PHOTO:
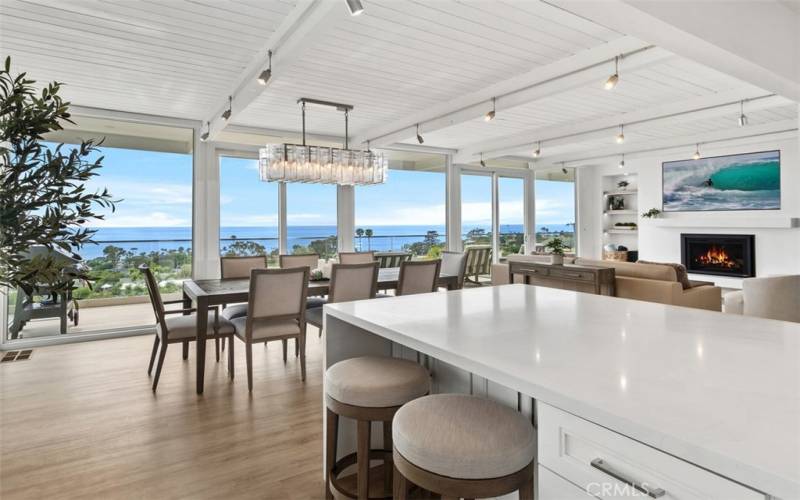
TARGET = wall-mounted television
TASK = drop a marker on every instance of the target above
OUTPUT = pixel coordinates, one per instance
(747, 181)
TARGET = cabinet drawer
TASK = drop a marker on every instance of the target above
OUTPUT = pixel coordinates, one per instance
(554, 487)
(566, 274)
(532, 271)
(606, 463)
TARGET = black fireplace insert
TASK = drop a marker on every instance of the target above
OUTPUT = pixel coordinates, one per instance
(719, 254)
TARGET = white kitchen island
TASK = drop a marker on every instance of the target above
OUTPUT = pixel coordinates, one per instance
(683, 402)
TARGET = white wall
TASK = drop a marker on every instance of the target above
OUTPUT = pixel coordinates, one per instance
(777, 250)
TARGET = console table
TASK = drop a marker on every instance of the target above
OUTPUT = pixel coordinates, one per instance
(597, 280)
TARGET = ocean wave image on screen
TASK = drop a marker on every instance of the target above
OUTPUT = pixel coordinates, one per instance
(748, 181)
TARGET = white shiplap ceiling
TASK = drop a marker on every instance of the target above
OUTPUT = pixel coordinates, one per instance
(181, 58)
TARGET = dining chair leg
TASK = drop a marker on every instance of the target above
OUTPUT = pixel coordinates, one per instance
(362, 458)
(230, 359)
(400, 486)
(161, 356)
(285, 346)
(296, 347)
(153, 355)
(300, 341)
(330, 449)
(248, 349)
(216, 347)
(186, 350)
(388, 463)
(223, 344)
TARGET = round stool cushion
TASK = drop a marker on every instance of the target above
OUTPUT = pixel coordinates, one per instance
(463, 437)
(376, 382)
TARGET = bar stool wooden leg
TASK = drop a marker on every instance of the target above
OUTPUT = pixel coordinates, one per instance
(362, 458)
(332, 437)
(388, 467)
(526, 491)
(284, 342)
(399, 486)
(186, 350)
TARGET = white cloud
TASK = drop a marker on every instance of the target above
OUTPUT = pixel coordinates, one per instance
(147, 219)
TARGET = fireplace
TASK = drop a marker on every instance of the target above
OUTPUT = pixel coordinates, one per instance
(719, 254)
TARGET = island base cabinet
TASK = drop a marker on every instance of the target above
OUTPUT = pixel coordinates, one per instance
(606, 464)
(554, 487)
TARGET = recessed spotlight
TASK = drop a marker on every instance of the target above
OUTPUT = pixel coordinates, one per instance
(538, 151)
(620, 138)
(355, 7)
(491, 114)
(419, 137)
(264, 76)
(226, 115)
(613, 80)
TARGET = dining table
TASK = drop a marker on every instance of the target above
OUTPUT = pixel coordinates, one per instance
(207, 293)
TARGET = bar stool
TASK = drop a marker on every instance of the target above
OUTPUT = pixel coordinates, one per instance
(462, 446)
(367, 389)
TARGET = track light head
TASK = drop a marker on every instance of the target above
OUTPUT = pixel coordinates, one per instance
(620, 138)
(742, 117)
(564, 170)
(204, 135)
(355, 7)
(622, 162)
(696, 155)
(538, 151)
(483, 163)
(264, 76)
(419, 137)
(491, 114)
(613, 80)
(226, 115)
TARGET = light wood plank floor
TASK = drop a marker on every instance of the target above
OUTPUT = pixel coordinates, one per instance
(80, 421)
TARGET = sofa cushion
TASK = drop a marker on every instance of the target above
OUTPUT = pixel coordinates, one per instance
(634, 270)
(680, 272)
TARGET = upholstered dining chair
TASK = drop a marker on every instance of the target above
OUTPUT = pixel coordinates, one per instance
(418, 276)
(348, 282)
(455, 264)
(288, 261)
(180, 329)
(276, 310)
(239, 267)
(356, 257)
(391, 259)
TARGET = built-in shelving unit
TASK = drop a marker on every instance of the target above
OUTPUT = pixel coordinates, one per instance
(620, 205)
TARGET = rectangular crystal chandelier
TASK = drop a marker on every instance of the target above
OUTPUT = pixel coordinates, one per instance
(319, 164)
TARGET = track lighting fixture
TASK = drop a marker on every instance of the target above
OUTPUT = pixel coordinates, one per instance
(538, 151)
(483, 163)
(742, 116)
(226, 115)
(696, 155)
(622, 161)
(265, 75)
(355, 7)
(621, 136)
(613, 79)
(563, 169)
(490, 115)
(419, 137)
(204, 135)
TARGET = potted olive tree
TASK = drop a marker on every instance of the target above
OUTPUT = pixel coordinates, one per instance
(44, 201)
(556, 247)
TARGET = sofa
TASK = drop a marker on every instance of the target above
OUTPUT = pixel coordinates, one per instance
(648, 282)
(774, 297)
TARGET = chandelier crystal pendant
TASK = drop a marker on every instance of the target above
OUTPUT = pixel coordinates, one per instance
(321, 164)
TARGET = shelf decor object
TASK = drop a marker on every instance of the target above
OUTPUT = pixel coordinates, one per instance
(322, 165)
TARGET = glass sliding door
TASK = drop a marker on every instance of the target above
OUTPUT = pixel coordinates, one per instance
(476, 209)
(248, 210)
(555, 207)
(511, 195)
(148, 168)
(311, 219)
(407, 213)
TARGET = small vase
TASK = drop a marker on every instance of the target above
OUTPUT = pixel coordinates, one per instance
(556, 260)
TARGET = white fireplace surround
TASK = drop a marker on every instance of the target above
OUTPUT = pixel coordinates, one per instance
(777, 231)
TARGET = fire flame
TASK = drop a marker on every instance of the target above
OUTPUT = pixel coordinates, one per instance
(718, 257)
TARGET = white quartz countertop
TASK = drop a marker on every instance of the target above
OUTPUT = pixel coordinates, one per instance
(721, 391)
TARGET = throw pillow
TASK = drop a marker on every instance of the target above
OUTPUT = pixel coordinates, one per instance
(680, 272)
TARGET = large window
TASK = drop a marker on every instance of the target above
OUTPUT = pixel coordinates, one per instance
(311, 219)
(476, 209)
(511, 193)
(555, 206)
(248, 210)
(407, 213)
(148, 169)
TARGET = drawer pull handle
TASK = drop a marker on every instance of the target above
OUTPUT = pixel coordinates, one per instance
(599, 464)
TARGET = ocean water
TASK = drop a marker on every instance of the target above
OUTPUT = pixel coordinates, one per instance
(741, 182)
(385, 238)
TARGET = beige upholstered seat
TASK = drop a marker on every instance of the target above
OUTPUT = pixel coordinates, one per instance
(267, 329)
(348, 282)
(773, 297)
(234, 311)
(455, 264)
(356, 257)
(419, 276)
(376, 382)
(463, 437)
(185, 327)
(240, 267)
(310, 260)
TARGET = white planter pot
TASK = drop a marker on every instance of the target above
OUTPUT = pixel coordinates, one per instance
(556, 260)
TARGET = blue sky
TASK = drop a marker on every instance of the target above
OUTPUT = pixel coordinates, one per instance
(156, 189)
